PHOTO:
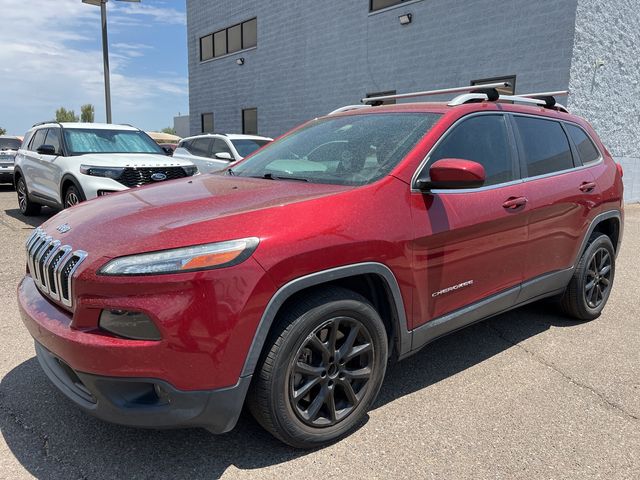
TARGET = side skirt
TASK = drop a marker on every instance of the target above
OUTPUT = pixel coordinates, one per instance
(541, 287)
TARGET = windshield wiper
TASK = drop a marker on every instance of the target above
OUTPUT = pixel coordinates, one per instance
(271, 176)
(230, 172)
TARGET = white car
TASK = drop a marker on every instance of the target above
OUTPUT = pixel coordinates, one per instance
(61, 164)
(215, 151)
(8, 149)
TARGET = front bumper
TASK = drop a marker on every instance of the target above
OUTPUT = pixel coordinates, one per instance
(6, 173)
(143, 402)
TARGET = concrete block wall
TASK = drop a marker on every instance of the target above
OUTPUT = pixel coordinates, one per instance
(315, 56)
(605, 80)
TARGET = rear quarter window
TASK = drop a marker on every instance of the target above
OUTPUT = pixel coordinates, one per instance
(545, 146)
(586, 149)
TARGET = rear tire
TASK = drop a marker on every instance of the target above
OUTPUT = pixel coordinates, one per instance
(321, 369)
(27, 207)
(589, 288)
(72, 196)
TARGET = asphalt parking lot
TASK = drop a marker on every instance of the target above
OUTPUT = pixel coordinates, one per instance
(528, 394)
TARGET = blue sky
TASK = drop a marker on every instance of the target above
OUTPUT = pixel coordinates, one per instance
(51, 56)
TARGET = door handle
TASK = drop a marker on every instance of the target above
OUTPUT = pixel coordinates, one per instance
(587, 186)
(514, 203)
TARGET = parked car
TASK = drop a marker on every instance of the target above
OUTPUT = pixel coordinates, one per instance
(213, 152)
(62, 164)
(289, 282)
(8, 148)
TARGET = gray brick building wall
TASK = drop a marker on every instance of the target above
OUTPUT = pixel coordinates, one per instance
(313, 56)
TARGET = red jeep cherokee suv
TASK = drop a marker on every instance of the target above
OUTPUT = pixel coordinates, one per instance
(289, 281)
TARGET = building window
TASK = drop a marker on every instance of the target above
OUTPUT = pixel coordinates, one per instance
(510, 90)
(383, 94)
(229, 40)
(375, 5)
(250, 121)
(206, 48)
(207, 122)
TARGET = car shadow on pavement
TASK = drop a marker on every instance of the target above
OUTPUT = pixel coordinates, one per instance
(53, 439)
(32, 221)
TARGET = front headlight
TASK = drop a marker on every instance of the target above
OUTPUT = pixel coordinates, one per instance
(187, 259)
(108, 172)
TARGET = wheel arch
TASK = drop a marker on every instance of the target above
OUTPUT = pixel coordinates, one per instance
(608, 223)
(67, 180)
(374, 281)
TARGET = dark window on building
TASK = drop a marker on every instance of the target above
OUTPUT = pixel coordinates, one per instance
(586, 149)
(510, 90)
(207, 122)
(220, 43)
(545, 145)
(384, 94)
(200, 147)
(38, 139)
(250, 121)
(375, 5)
(53, 138)
(482, 139)
(250, 33)
(234, 38)
(206, 48)
(229, 40)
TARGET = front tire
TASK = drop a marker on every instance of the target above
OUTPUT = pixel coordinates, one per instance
(73, 196)
(589, 288)
(27, 207)
(321, 369)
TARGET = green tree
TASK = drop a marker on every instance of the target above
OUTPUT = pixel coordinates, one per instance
(2, 131)
(169, 130)
(87, 113)
(64, 115)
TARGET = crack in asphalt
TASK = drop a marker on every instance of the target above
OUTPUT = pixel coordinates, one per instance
(568, 378)
(45, 449)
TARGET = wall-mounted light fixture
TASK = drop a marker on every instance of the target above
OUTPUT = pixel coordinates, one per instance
(240, 61)
(405, 19)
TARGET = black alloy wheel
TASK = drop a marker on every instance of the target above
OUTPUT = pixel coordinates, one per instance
(598, 278)
(331, 372)
(72, 196)
(26, 206)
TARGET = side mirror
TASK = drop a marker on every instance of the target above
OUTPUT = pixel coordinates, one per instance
(452, 173)
(46, 150)
(167, 151)
(224, 156)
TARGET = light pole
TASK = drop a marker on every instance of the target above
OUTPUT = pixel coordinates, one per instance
(105, 49)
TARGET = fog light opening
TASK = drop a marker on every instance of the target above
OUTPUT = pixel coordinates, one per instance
(128, 324)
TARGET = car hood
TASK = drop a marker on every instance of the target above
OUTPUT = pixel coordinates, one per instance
(137, 160)
(190, 211)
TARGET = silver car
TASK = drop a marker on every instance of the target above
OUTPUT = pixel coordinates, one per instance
(215, 151)
(8, 149)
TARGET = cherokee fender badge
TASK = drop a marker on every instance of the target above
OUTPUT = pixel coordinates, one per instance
(64, 228)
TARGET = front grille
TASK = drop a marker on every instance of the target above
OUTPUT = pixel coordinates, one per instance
(136, 177)
(52, 266)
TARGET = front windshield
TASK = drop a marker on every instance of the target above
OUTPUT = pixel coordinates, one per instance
(246, 147)
(346, 150)
(80, 141)
(10, 144)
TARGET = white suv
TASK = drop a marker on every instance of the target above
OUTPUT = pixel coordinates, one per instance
(214, 151)
(61, 164)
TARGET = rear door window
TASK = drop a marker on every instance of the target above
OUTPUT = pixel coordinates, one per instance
(586, 149)
(200, 147)
(545, 146)
(483, 139)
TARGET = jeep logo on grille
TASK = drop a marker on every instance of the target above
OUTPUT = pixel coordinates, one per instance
(64, 228)
(158, 177)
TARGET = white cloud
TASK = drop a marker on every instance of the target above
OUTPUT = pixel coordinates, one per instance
(51, 56)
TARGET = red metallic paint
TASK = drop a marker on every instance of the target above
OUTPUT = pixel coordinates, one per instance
(208, 319)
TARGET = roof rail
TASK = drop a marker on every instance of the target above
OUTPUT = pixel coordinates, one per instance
(347, 108)
(543, 99)
(44, 123)
(443, 91)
